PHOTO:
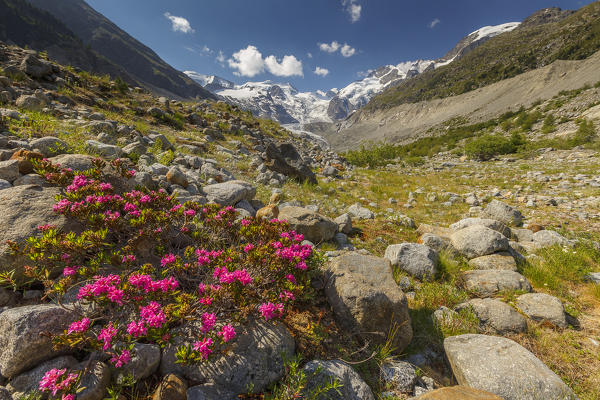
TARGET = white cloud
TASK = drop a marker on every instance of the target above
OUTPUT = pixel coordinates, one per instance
(221, 58)
(364, 74)
(329, 48)
(347, 51)
(207, 50)
(249, 62)
(353, 9)
(433, 23)
(321, 71)
(289, 66)
(309, 55)
(179, 24)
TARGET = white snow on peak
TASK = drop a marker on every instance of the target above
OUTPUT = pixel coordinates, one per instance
(495, 30)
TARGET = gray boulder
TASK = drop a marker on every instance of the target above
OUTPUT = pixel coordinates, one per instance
(314, 226)
(488, 223)
(77, 162)
(503, 212)
(144, 361)
(97, 127)
(256, 356)
(209, 391)
(21, 340)
(366, 299)
(496, 315)
(344, 222)
(105, 150)
(229, 193)
(400, 376)
(50, 146)
(322, 372)
(503, 367)
(457, 393)
(503, 260)
(285, 159)
(477, 240)
(593, 277)
(35, 67)
(487, 282)
(22, 210)
(31, 103)
(543, 308)
(416, 259)
(9, 170)
(95, 379)
(547, 238)
(177, 177)
(360, 212)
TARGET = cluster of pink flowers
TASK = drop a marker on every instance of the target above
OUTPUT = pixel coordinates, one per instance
(153, 315)
(121, 359)
(204, 257)
(148, 285)
(224, 276)
(79, 326)
(79, 181)
(105, 285)
(167, 259)
(128, 258)
(270, 310)
(227, 332)
(57, 380)
(107, 334)
(203, 347)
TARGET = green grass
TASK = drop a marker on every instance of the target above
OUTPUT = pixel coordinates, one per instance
(558, 267)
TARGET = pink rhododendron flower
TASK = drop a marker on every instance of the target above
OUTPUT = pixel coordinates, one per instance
(122, 359)
(203, 347)
(68, 271)
(153, 315)
(208, 322)
(167, 259)
(137, 329)
(227, 332)
(107, 334)
(270, 310)
(79, 326)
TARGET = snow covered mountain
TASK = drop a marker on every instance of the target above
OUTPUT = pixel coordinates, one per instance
(285, 104)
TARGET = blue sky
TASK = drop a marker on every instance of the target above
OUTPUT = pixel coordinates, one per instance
(313, 44)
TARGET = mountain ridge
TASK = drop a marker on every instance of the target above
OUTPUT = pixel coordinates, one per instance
(102, 47)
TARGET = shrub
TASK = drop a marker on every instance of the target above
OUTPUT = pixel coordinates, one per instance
(121, 85)
(128, 264)
(489, 146)
(585, 133)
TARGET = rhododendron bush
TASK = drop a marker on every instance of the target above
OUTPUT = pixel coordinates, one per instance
(142, 264)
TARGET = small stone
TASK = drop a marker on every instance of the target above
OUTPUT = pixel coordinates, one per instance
(416, 259)
(171, 387)
(503, 260)
(352, 385)
(176, 177)
(487, 282)
(477, 240)
(495, 315)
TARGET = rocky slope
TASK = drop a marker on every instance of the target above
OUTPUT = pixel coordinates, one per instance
(446, 262)
(410, 121)
(86, 39)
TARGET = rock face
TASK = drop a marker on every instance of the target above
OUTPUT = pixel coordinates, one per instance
(229, 193)
(503, 367)
(255, 357)
(95, 381)
(365, 298)
(416, 259)
(22, 210)
(496, 315)
(352, 385)
(315, 227)
(504, 213)
(457, 393)
(285, 159)
(544, 308)
(22, 345)
(487, 282)
(400, 375)
(477, 240)
(171, 388)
